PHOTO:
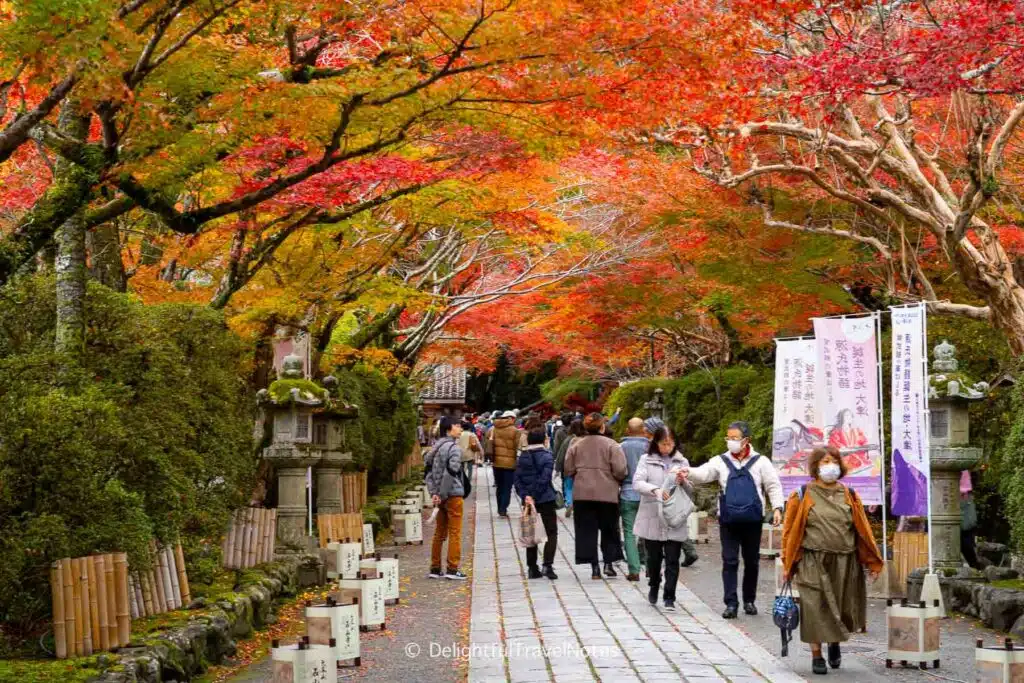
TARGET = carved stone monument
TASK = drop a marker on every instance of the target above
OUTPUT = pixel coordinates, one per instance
(949, 396)
(305, 430)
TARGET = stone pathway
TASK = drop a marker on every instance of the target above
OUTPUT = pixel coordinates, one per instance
(577, 629)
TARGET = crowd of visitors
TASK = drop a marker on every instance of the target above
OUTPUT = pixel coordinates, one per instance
(625, 497)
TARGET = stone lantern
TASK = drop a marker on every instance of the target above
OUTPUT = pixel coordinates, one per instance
(949, 395)
(306, 430)
(656, 406)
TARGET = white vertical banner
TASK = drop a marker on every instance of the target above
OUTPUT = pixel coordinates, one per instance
(910, 466)
(796, 429)
(849, 398)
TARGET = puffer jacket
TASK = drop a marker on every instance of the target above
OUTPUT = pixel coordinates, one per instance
(508, 441)
(649, 478)
(533, 474)
(443, 463)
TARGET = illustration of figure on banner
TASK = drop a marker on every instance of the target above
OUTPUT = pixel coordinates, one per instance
(793, 444)
(852, 443)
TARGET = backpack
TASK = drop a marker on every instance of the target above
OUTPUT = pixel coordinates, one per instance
(740, 502)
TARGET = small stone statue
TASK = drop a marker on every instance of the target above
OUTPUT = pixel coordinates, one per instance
(292, 367)
(945, 360)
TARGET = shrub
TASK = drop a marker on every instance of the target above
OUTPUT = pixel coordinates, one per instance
(149, 435)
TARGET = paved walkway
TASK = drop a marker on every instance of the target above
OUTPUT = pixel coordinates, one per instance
(577, 629)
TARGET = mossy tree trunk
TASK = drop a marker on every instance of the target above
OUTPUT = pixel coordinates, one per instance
(69, 263)
(106, 266)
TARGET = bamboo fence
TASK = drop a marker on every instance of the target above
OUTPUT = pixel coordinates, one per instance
(910, 551)
(404, 470)
(163, 587)
(251, 538)
(338, 527)
(90, 604)
(353, 491)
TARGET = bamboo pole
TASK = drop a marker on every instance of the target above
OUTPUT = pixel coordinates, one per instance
(261, 535)
(111, 582)
(101, 601)
(186, 593)
(94, 603)
(165, 578)
(273, 533)
(362, 490)
(239, 539)
(57, 596)
(137, 585)
(147, 594)
(133, 606)
(257, 543)
(228, 557)
(156, 579)
(173, 570)
(243, 529)
(70, 610)
(344, 492)
(251, 556)
(124, 622)
(83, 597)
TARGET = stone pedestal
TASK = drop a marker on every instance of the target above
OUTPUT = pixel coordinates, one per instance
(328, 483)
(947, 462)
(292, 511)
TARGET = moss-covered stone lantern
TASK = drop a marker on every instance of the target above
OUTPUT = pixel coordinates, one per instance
(303, 422)
(950, 393)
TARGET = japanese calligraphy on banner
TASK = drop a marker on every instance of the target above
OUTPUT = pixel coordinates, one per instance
(910, 466)
(797, 423)
(848, 396)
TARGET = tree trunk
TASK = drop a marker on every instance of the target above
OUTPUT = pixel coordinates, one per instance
(104, 246)
(69, 263)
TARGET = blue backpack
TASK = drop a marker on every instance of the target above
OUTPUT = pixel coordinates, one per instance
(740, 501)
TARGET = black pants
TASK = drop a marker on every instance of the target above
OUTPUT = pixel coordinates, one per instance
(740, 539)
(504, 479)
(550, 520)
(669, 550)
(968, 548)
(590, 517)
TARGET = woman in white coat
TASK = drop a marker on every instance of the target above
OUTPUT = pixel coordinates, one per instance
(654, 474)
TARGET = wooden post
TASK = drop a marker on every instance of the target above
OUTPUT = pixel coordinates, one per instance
(362, 490)
(70, 612)
(101, 601)
(228, 558)
(173, 570)
(186, 594)
(111, 582)
(147, 594)
(273, 533)
(83, 597)
(124, 622)
(57, 595)
(251, 556)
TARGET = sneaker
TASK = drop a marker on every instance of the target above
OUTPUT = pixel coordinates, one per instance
(689, 561)
(670, 606)
(652, 596)
(534, 573)
(730, 612)
(609, 570)
(549, 572)
(435, 573)
(456, 575)
(632, 577)
(750, 609)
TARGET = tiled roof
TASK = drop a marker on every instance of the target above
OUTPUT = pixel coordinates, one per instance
(446, 384)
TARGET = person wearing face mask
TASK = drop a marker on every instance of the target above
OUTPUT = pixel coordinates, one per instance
(827, 543)
(660, 467)
(745, 478)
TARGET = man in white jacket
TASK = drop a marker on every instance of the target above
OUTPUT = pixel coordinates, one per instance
(741, 512)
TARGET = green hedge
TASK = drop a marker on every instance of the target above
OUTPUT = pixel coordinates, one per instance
(700, 405)
(385, 431)
(150, 436)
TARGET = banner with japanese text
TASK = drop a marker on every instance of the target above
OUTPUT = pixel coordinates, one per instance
(910, 466)
(796, 427)
(848, 396)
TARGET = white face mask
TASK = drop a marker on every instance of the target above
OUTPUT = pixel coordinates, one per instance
(734, 445)
(829, 473)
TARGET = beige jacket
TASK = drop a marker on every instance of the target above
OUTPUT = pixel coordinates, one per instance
(597, 466)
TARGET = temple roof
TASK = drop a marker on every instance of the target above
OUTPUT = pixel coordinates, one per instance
(445, 384)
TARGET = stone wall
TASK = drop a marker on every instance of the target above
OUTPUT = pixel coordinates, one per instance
(184, 652)
(1001, 609)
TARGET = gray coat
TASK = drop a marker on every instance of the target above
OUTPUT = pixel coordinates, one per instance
(649, 477)
(444, 469)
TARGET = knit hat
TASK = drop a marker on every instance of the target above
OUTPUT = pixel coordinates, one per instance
(652, 424)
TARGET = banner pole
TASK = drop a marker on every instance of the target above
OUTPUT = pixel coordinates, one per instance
(927, 435)
(881, 441)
